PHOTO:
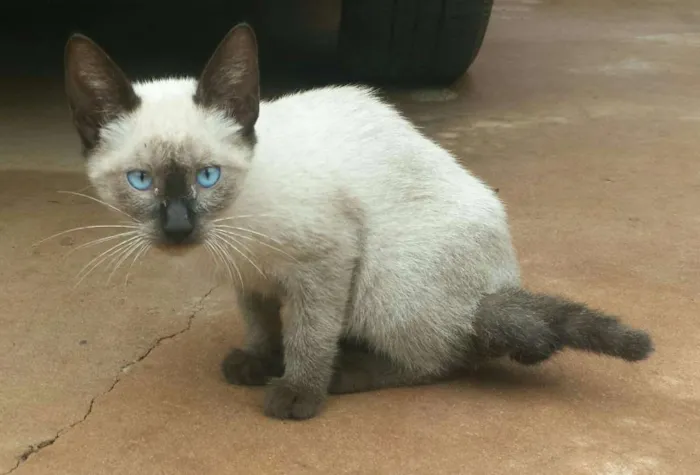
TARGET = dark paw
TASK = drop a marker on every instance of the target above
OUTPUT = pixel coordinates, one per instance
(539, 347)
(528, 358)
(283, 401)
(243, 368)
(533, 356)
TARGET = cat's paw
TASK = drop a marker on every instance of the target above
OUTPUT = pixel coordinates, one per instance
(534, 355)
(284, 401)
(247, 369)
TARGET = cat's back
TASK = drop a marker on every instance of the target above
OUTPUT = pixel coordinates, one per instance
(340, 154)
(347, 137)
(314, 120)
(349, 134)
(331, 107)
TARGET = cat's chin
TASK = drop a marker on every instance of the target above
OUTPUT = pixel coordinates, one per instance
(176, 250)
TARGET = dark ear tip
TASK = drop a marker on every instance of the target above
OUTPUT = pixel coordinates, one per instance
(244, 29)
(243, 26)
(76, 40)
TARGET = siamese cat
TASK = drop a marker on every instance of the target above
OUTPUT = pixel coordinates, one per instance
(364, 255)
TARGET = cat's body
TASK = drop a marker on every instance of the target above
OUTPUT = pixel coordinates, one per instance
(417, 239)
(365, 255)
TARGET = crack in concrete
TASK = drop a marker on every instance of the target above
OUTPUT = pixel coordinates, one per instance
(36, 448)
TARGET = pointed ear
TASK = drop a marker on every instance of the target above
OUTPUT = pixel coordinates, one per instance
(98, 91)
(230, 81)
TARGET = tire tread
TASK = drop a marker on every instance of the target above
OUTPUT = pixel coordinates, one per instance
(411, 41)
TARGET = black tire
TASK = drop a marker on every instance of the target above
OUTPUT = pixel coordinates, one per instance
(411, 41)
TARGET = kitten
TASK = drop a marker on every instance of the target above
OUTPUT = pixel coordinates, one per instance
(367, 256)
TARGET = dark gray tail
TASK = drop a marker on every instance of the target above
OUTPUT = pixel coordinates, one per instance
(532, 327)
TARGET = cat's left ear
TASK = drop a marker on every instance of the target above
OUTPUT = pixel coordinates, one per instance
(230, 80)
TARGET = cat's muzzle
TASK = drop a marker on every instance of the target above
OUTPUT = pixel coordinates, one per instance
(178, 222)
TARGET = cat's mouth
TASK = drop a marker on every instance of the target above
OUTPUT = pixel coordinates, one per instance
(176, 249)
(177, 244)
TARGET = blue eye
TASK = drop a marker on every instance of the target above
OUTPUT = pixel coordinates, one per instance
(208, 176)
(139, 179)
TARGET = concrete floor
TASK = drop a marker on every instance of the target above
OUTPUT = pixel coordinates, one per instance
(585, 116)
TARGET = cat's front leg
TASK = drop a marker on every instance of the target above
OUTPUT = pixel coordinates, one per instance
(261, 357)
(312, 322)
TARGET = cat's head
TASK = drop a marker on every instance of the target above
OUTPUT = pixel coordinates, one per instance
(170, 153)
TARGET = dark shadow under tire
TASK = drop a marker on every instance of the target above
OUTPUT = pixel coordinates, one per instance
(411, 41)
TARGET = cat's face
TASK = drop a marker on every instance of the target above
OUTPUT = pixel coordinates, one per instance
(171, 154)
(175, 188)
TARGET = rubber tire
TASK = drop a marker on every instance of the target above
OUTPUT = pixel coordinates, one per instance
(411, 41)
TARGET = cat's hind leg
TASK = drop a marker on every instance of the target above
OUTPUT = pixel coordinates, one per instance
(359, 369)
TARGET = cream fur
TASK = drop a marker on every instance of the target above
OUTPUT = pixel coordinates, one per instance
(353, 192)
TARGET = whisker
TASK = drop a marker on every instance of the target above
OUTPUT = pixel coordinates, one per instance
(218, 242)
(218, 261)
(124, 256)
(207, 246)
(114, 258)
(107, 260)
(85, 188)
(208, 249)
(216, 249)
(217, 257)
(107, 252)
(82, 228)
(241, 216)
(231, 262)
(257, 233)
(258, 241)
(97, 200)
(95, 242)
(100, 258)
(226, 238)
(139, 255)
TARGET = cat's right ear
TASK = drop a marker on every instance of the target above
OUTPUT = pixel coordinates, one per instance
(98, 91)
(230, 80)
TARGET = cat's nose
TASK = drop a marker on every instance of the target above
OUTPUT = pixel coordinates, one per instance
(177, 221)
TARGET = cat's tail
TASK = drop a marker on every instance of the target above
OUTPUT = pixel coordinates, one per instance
(532, 327)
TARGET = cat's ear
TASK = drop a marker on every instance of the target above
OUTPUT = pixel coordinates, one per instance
(98, 91)
(230, 80)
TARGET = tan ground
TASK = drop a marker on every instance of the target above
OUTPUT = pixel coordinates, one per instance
(587, 119)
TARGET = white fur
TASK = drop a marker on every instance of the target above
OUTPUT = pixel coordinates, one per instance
(343, 183)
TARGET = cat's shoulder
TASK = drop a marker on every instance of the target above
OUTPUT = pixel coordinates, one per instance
(336, 98)
(341, 112)
(333, 94)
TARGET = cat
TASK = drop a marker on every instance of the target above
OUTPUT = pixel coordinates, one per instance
(364, 255)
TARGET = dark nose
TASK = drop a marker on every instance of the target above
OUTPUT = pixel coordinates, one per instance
(177, 221)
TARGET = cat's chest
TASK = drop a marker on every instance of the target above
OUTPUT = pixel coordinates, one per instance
(246, 278)
(252, 271)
